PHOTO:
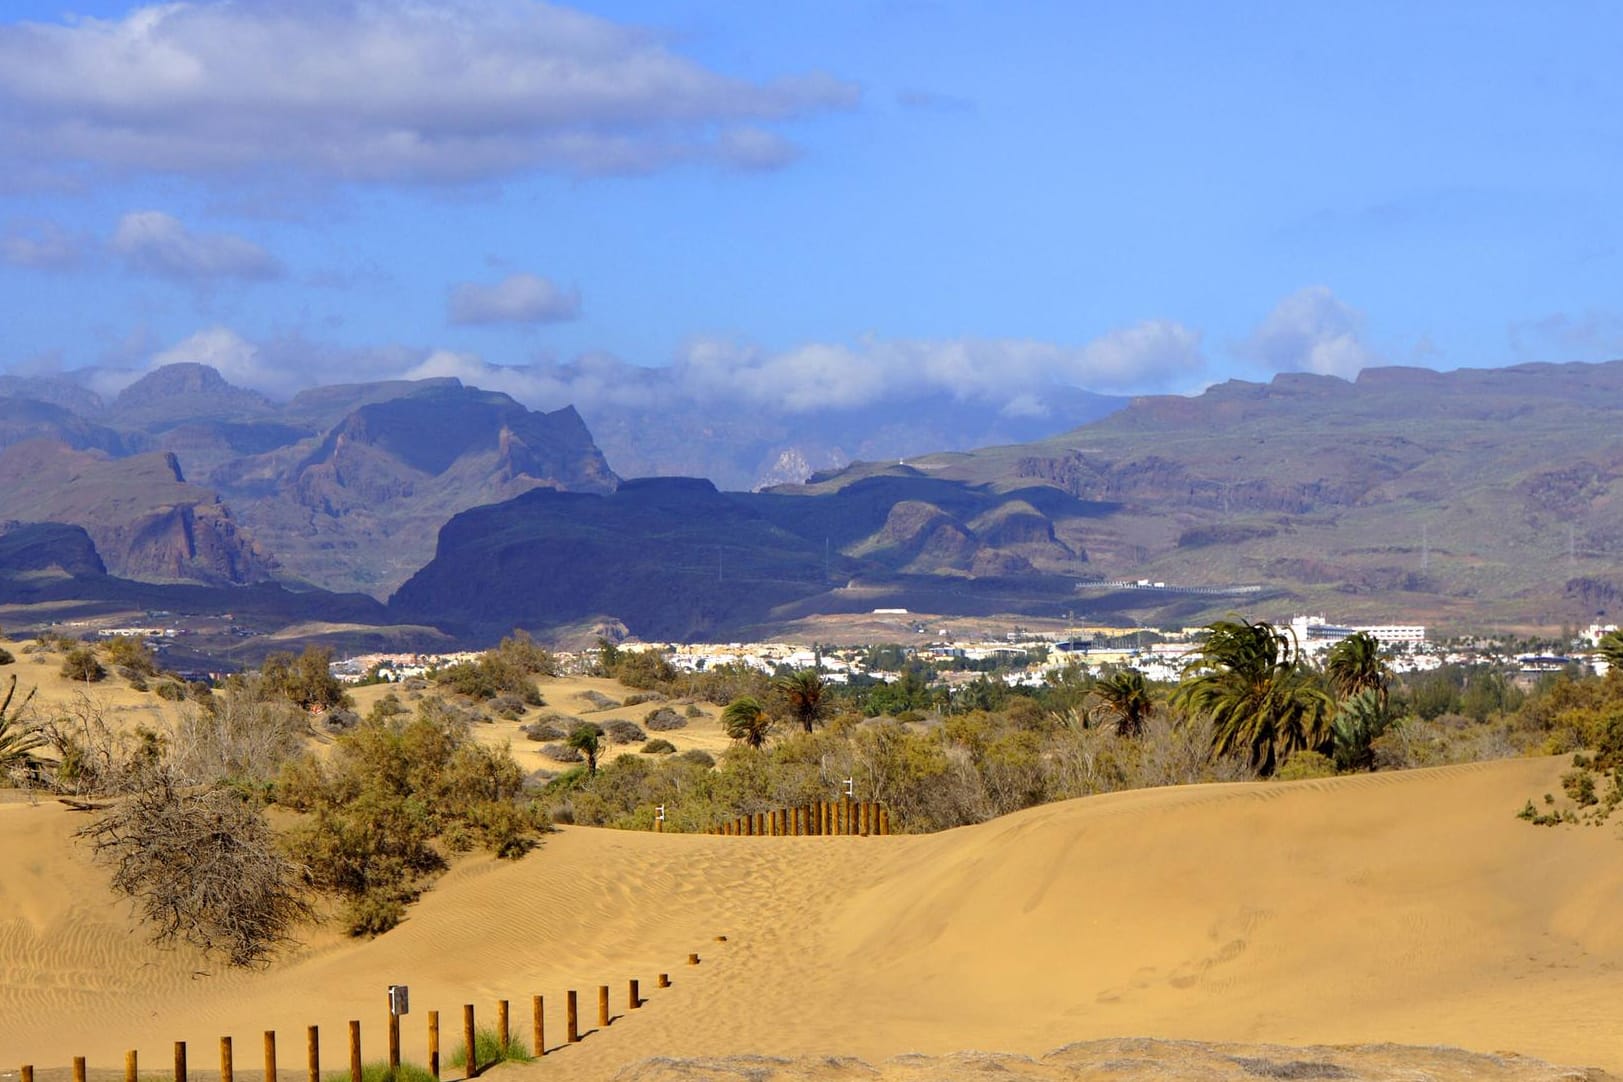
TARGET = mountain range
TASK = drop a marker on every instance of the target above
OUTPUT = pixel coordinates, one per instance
(1463, 498)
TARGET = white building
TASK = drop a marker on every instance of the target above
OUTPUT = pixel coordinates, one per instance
(1315, 633)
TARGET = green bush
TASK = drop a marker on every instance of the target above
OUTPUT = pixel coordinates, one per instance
(393, 792)
(658, 746)
(80, 665)
(1303, 764)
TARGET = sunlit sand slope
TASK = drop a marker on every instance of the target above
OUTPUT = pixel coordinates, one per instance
(1409, 908)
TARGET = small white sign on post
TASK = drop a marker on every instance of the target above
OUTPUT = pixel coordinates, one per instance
(399, 999)
(850, 787)
(661, 815)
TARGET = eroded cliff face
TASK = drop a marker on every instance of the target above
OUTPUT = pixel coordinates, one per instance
(145, 519)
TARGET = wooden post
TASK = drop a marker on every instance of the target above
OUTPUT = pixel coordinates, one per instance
(27, 1073)
(130, 1069)
(633, 996)
(270, 1055)
(603, 1005)
(434, 1043)
(502, 1035)
(538, 1027)
(571, 1019)
(394, 1041)
(664, 981)
(354, 1050)
(78, 1069)
(884, 819)
(312, 1052)
(693, 959)
(760, 822)
(468, 1039)
(867, 818)
(180, 1061)
(227, 1068)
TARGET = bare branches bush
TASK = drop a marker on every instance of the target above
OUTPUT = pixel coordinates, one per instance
(202, 867)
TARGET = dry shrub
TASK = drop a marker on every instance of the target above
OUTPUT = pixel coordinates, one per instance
(202, 867)
(664, 720)
(624, 732)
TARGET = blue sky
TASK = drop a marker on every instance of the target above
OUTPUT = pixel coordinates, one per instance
(871, 196)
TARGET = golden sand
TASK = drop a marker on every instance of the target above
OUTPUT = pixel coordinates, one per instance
(1409, 908)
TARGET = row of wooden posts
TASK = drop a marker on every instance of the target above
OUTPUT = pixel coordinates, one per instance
(538, 1045)
(826, 817)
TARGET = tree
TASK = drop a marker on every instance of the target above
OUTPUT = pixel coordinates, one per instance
(1355, 665)
(18, 740)
(1611, 648)
(81, 664)
(746, 719)
(1249, 680)
(588, 741)
(1125, 697)
(306, 681)
(1360, 720)
(805, 694)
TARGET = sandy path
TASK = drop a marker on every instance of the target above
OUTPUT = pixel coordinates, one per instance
(1405, 907)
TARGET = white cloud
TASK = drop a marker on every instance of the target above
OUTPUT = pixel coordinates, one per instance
(436, 90)
(152, 242)
(1310, 331)
(1011, 376)
(518, 298)
(1009, 373)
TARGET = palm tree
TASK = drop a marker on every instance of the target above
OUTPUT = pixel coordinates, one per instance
(1360, 720)
(803, 691)
(1611, 648)
(1249, 680)
(1124, 696)
(17, 739)
(746, 719)
(1355, 665)
(586, 739)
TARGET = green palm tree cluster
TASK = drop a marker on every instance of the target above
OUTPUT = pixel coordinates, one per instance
(1611, 648)
(745, 719)
(1249, 679)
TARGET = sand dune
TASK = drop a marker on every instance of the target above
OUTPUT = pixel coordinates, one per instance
(1409, 908)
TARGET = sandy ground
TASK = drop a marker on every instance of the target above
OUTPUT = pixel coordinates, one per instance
(1408, 908)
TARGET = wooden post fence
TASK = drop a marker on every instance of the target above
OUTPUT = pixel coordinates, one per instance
(27, 1073)
(633, 997)
(603, 1005)
(227, 1068)
(394, 1041)
(312, 1052)
(354, 1050)
(270, 1056)
(130, 1069)
(538, 1027)
(502, 1034)
(468, 1039)
(434, 1043)
(180, 1061)
(78, 1069)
